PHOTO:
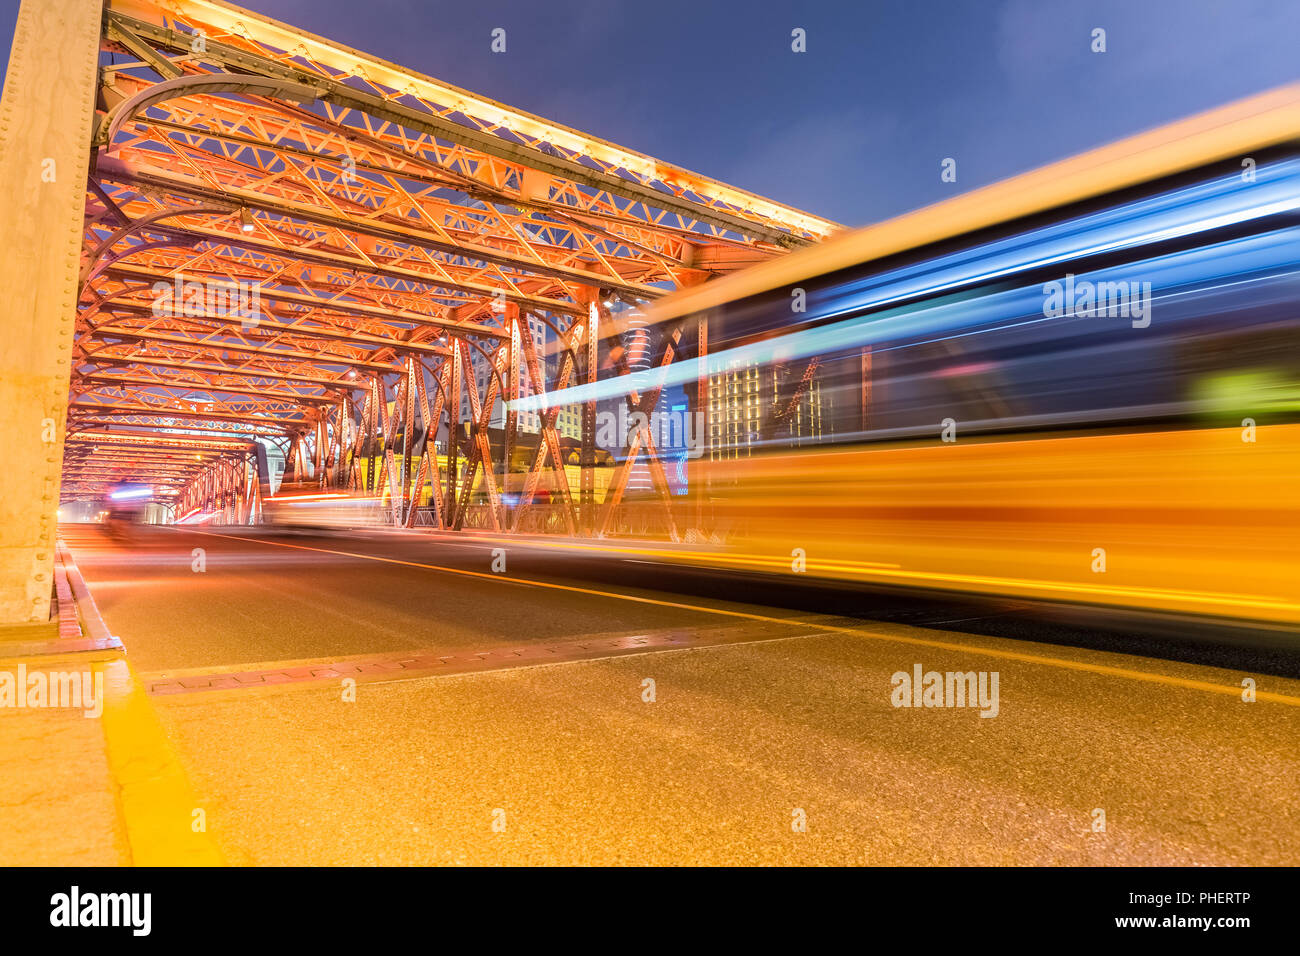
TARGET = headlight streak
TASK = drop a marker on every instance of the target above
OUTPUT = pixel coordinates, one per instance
(1271, 254)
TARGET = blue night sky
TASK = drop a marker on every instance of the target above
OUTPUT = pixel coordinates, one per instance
(855, 128)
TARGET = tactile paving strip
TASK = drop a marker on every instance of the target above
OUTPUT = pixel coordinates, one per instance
(410, 665)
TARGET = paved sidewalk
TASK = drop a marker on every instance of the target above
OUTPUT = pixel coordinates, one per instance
(58, 803)
(90, 778)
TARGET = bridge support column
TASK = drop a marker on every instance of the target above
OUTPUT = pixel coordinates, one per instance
(590, 371)
(46, 119)
(584, 373)
(697, 468)
(515, 356)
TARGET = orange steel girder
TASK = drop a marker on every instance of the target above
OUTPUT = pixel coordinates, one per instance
(382, 219)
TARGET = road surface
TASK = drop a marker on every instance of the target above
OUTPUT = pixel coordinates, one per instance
(389, 698)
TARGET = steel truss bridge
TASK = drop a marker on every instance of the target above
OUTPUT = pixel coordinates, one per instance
(286, 239)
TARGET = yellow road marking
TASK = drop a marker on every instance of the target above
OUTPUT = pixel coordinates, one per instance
(1105, 669)
(684, 553)
(154, 794)
(882, 572)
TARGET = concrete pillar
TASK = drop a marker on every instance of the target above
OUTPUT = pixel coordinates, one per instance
(46, 118)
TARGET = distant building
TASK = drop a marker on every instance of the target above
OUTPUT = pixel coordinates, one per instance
(568, 424)
(638, 342)
(750, 403)
(529, 421)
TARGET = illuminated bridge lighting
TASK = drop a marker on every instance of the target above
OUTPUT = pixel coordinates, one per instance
(399, 478)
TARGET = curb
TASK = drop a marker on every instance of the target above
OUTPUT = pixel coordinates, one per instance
(69, 626)
(154, 795)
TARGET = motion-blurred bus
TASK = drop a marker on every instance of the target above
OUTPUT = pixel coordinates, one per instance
(125, 505)
(1078, 385)
(306, 505)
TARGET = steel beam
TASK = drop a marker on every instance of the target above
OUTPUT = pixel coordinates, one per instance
(46, 117)
(382, 216)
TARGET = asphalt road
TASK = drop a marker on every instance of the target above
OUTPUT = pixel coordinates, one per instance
(769, 709)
